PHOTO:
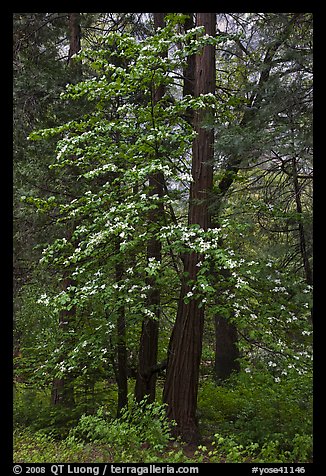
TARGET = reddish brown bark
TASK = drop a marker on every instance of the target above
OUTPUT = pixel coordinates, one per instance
(147, 361)
(226, 351)
(74, 35)
(181, 386)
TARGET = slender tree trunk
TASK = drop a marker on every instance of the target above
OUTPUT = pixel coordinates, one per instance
(120, 359)
(122, 371)
(302, 237)
(62, 388)
(226, 349)
(74, 35)
(147, 360)
(226, 342)
(189, 71)
(181, 386)
(62, 392)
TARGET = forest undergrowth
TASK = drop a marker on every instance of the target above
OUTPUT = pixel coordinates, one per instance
(251, 418)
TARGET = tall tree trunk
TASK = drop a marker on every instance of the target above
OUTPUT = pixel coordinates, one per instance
(147, 360)
(62, 389)
(181, 386)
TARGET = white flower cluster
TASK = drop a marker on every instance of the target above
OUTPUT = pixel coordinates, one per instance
(279, 289)
(149, 314)
(240, 282)
(99, 170)
(153, 263)
(194, 238)
(44, 299)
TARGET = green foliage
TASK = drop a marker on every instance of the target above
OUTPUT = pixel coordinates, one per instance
(37, 447)
(270, 307)
(87, 177)
(250, 418)
(107, 153)
(229, 450)
(142, 424)
(258, 418)
(33, 408)
(30, 406)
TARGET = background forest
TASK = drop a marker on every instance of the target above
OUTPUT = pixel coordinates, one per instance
(162, 237)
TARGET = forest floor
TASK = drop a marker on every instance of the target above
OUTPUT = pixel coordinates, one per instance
(253, 419)
(38, 448)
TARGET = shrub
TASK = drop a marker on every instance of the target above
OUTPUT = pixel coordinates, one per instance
(260, 417)
(143, 423)
(229, 450)
(33, 408)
